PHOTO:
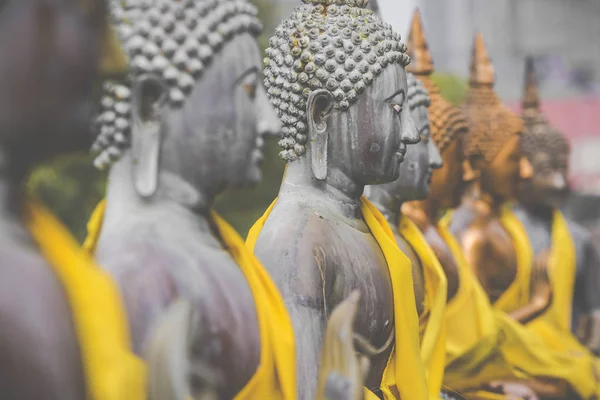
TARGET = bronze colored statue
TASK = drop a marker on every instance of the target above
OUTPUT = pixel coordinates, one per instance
(574, 262)
(493, 148)
(336, 74)
(188, 122)
(493, 249)
(61, 319)
(428, 276)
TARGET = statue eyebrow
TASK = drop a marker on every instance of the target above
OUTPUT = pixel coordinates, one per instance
(251, 70)
(401, 91)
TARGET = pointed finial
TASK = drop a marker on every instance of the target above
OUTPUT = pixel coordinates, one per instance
(418, 50)
(531, 96)
(482, 70)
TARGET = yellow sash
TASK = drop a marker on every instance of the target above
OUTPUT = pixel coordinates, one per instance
(405, 374)
(524, 351)
(112, 371)
(433, 342)
(275, 377)
(473, 353)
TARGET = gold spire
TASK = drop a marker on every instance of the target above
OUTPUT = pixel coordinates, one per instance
(482, 70)
(531, 96)
(418, 50)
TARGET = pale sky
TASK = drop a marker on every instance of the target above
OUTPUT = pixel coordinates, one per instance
(398, 13)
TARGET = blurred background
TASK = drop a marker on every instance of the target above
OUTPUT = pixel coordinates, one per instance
(562, 35)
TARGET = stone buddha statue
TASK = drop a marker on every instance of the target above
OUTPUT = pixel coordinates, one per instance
(428, 277)
(188, 122)
(493, 148)
(574, 263)
(336, 74)
(50, 347)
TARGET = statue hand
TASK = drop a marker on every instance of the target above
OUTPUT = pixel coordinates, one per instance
(514, 390)
(541, 288)
(171, 371)
(342, 370)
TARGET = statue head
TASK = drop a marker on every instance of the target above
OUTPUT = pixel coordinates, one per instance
(335, 73)
(493, 143)
(447, 122)
(192, 104)
(48, 78)
(546, 149)
(421, 158)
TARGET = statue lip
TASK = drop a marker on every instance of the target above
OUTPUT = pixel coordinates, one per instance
(401, 152)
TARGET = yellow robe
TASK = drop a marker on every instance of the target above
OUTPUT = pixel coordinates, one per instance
(275, 377)
(111, 370)
(405, 374)
(433, 346)
(496, 347)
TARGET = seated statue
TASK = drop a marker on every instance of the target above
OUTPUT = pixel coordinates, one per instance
(62, 320)
(493, 147)
(336, 74)
(188, 122)
(514, 282)
(573, 263)
(428, 277)
(473, 327)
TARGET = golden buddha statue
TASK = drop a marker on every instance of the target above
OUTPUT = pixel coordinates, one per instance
(473, 327)
(514, 284)
(495, 165)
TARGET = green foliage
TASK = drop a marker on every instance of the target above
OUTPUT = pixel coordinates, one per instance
(71, 187)
(452, 87)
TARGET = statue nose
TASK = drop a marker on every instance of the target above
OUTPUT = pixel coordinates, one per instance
(410, 132)
(268, 123)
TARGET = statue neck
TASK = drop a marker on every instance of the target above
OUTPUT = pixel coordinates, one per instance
(386, 203)
(171, 189)
(338, 191)
(423, 213)
(539, 210)
(483, 202)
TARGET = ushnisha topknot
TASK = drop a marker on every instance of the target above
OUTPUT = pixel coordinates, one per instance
(446, 121)
(337, 45)
(539, 135)
(417, 96)
(173, 39)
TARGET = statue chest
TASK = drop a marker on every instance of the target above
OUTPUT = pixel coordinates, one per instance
(354, 261)
(417, 272)
(498, 269)
(446, 258)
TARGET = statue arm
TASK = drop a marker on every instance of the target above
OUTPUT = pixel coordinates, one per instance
(541, 292)
(301, 282)
(147, 290)
(591, 285)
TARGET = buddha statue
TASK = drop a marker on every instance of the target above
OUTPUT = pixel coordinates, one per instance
(493, 149)
(51, 347)
(428, 277)
(574, 263)
(336, 75)
(474, 330)
(515, 282)
(188, 122)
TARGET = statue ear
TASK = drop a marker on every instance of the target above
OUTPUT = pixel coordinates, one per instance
(149, 100)
(469, 173)
(318, 108)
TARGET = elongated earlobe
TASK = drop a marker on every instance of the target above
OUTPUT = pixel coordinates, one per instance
(149, 99)
(319, 107)
(469, 173)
